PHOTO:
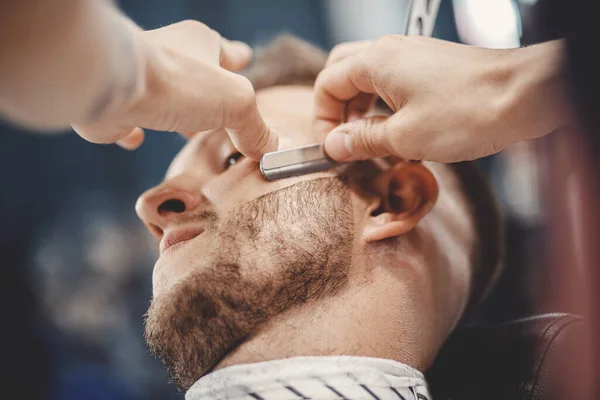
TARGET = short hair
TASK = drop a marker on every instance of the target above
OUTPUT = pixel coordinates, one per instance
(288, 60)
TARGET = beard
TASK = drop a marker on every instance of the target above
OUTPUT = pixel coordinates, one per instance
(279, 251)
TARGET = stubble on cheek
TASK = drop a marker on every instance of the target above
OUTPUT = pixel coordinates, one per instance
(272, 254)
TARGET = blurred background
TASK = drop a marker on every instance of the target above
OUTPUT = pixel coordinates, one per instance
(82, 262)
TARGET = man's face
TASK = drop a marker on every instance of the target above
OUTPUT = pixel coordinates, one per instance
(237, 250)
(208, 179)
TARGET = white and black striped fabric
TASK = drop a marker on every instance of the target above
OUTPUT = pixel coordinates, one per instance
(319, 378)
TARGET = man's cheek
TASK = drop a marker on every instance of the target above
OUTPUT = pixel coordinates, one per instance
(159, 280)
(172, 268)
(233, 189)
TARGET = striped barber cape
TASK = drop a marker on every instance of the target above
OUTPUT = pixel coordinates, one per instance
(319, 378)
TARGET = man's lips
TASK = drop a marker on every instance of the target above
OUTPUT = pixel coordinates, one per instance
(178, 236)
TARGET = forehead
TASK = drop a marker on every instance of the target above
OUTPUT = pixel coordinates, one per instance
(288, 110)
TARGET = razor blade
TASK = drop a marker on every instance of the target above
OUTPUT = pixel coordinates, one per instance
(294, 162)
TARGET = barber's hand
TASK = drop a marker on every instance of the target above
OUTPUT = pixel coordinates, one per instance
(188, 88)
(450, 102)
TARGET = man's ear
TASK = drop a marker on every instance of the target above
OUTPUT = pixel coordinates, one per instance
(404, 195)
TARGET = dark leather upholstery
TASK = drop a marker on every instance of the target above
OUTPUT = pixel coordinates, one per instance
(520, 360)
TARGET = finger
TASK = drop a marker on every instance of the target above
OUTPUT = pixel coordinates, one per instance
(133, 140)
(244, 124)
(335, 86)
(359, 140)
(234, 55)
(344, 50)
(188, 135)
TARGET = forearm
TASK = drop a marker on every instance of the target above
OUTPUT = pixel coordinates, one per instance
(66, 61)
(538, 95)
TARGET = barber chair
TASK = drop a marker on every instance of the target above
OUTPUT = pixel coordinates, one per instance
(519, 360)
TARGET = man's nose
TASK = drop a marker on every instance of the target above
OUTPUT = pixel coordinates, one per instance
(162, 204)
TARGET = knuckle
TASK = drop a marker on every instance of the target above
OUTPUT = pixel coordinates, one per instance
(190, 24)
(216, 36)
(378, 52)
(197, 27)
(334, 54)
(339, 50)
(389, 40)
(363, 67)
(380, 49)
(342, 46)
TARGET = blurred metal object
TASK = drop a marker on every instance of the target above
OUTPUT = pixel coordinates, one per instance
(293, 162)
(495, 24)
(515, 172)
(422, 17)
(352, 20)
(309, 159)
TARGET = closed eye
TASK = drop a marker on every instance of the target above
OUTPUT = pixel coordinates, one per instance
(232, 159)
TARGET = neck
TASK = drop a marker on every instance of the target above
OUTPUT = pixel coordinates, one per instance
(358, 322)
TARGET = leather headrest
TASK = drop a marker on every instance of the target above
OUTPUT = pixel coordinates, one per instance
(520, 360)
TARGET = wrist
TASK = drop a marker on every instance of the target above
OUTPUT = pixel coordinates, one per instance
(126, 77)
(145, 58)
(537, 99)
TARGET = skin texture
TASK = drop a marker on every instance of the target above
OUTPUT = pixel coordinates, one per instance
(233, 292)
(186, 87)
(177, 78)
(451, 102)
(306, 265)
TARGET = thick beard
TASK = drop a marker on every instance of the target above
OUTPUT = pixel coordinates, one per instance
(276, 252)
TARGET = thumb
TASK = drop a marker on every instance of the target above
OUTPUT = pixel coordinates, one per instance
(359, 140)
(234, 55)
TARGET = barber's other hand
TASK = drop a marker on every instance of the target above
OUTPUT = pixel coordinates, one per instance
(187, 88)
(450, 102)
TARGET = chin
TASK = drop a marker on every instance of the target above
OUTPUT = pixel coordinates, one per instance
(168, 272)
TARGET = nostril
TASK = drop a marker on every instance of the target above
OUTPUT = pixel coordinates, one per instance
(171, 206)
(155, 230)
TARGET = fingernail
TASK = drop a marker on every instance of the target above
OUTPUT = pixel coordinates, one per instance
(338, 145)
